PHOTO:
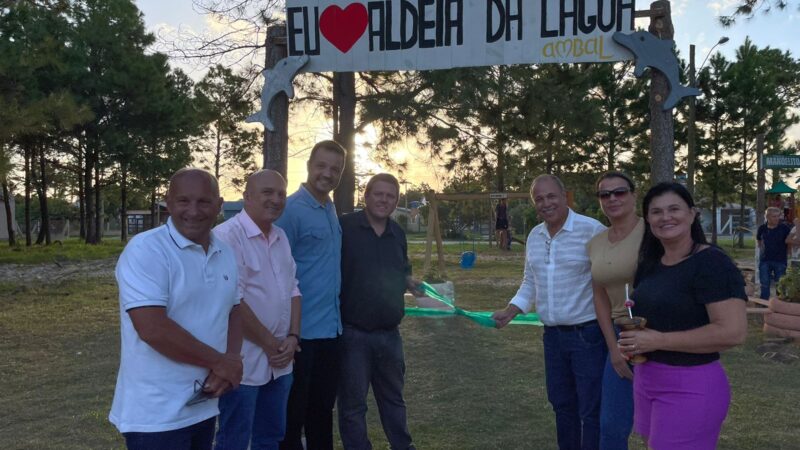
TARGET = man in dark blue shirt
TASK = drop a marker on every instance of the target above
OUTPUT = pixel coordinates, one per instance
(772, 239)
(375, 275)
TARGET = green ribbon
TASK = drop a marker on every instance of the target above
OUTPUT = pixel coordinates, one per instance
(482, 318)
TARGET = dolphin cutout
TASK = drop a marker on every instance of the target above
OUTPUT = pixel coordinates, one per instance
(656, 53)
(276, 80)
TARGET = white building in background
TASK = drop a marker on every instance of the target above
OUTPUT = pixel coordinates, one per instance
(728, 219)
(3, 222)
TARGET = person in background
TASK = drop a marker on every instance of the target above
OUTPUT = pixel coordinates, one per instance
(693, 298)
(180, 326)
(501, 224)
(558, 280)
(314, 234)
(773, 237)
(255, 414)
(614, 253)
(375, 275)
(794, 239)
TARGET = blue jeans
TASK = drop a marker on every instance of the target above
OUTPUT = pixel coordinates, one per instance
(616, 409)
(194, 437)
(254, 415)
(769, 271)
(376, 358)
(574, 357)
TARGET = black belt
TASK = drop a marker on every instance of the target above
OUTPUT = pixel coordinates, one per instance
(573, 327)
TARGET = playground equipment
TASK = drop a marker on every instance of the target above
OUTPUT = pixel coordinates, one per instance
(434, 227)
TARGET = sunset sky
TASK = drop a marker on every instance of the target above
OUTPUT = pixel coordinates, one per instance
(695, 22)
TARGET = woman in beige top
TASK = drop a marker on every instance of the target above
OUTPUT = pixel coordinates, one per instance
(614, 253)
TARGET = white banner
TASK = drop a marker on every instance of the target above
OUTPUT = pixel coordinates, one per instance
(364, 35)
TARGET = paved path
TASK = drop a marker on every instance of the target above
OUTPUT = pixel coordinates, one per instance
(57, 271)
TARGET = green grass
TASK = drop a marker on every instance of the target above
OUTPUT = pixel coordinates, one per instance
(745, 253)
(70, 250)
(467, 387)
(60, 352)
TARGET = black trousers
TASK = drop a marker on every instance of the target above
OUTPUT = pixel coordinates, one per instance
(313, 394)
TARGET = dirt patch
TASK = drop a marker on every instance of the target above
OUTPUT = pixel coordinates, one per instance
(489, 281)
(57, 271)
(786, 351)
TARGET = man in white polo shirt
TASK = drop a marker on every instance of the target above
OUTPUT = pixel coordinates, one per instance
(255, 414)
(558, 280)
(180, 327)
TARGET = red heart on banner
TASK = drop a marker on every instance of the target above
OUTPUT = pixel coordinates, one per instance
(343, 27)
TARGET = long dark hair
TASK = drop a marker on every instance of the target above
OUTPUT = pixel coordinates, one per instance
(651, 250)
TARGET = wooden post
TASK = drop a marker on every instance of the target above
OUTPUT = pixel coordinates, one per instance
(344, 88)
(276, 143)
(691, 144)
(434, 232)
(437, 232)
(662, 145)
(761, 201)
(492, 222)
(426, 267)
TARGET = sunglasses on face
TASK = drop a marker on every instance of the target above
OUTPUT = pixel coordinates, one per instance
(618, 192)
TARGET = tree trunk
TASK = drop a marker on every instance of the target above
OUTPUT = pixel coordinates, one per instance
(45, 213)
(7, 199)
(37, 186)
(740, 241)
(501, 168)
(81, 191)
(715, 190)
(123, 208)
(612, 142)
(343, 196)
(662, 131)
(691, 137)
(153, 208)
(98, 216)
(276, 143)
(217, 150)
(88, 191)
(28, 239)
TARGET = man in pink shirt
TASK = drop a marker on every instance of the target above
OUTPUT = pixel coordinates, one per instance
(255, 414)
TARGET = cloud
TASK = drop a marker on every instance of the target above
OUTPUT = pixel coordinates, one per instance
(722, 6)
(679, 7)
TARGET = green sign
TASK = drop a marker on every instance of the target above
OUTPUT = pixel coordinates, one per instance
(781, 161)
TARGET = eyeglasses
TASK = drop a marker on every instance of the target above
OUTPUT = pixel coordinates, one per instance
(199, 395)
(618, 192)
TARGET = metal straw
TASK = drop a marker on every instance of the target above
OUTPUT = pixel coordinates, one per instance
(628, 302)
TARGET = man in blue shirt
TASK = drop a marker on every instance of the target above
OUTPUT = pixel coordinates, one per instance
(315, 236)
(772, 239)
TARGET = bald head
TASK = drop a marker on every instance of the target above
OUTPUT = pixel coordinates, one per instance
(264, 198)
(194, 173)
(193, 201)
(262, 175)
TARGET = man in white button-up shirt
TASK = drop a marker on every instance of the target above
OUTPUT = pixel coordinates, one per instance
(558, 281)
(255, 414)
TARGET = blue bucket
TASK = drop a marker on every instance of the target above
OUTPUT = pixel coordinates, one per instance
(467, 260)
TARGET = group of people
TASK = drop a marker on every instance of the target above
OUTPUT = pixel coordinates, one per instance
(266, 320)
(581, 275)
(776, 242)
(286, 309)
